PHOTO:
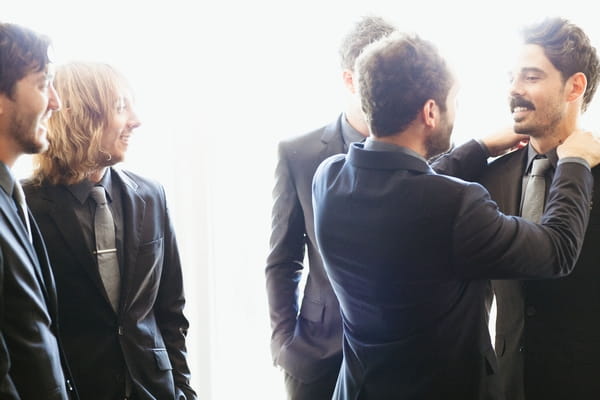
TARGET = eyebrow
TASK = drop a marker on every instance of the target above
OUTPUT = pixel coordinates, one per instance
(532, 70)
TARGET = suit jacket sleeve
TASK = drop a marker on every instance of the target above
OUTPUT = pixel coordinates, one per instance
(285, 260)
(169, 308)
(466, 161)
(7, 388)
(489, 244)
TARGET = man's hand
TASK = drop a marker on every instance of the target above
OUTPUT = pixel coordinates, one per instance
(583, 144)
(503, 141)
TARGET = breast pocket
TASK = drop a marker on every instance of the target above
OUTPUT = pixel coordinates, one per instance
(153, 246)
(162, 359)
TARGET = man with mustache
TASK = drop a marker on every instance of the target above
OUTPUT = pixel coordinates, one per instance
(548, 331)
(409, 252)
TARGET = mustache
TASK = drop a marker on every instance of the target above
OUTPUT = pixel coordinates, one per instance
(520, 102)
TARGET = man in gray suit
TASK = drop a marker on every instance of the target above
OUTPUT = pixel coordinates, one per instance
(307, 343)
(31, 364)
(306, 340)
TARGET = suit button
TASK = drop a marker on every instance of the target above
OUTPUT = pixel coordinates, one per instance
(120, 331)
(530, 311)
(521, 349)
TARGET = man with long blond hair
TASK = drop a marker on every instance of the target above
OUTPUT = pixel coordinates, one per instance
(121, 306)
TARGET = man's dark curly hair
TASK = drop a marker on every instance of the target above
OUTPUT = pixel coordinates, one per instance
(568, 48)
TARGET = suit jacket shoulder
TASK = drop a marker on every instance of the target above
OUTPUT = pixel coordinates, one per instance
(138, 183)
(498, 166)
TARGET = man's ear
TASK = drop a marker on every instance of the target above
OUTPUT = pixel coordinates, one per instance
(430, 113)
(576, 86)
(348, 78)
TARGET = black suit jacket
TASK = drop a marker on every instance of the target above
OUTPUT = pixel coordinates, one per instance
(550, 327)
(147, 334)
(29, 348)
(307, 342)
(409, 254)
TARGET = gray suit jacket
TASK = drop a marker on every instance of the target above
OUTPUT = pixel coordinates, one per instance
(307, 342)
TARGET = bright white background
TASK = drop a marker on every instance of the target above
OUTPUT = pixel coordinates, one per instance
(218, 84)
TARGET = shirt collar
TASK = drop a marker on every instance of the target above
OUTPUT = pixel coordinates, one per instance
(378, 145)
(81, 190)
(531, 154)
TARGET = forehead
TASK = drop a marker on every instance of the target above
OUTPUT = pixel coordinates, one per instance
(532, 56)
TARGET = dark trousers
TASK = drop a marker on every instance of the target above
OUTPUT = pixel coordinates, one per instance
(321, 389)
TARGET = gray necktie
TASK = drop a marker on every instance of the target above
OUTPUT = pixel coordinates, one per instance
(106, 252)
(535, 192)
(19, 197)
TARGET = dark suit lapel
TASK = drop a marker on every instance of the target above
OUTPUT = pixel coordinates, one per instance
(506, 181)
(134, 209)
(332, 140)
(68, 226)
(46, 283)
(44, 269)
(7, 207)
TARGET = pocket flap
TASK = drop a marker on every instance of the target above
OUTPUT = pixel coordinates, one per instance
(312, 311)
(162, 359)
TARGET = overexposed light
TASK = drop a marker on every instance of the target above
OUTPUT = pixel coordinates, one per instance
(217, 85)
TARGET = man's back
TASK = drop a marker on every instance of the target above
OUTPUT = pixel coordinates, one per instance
(407, 252)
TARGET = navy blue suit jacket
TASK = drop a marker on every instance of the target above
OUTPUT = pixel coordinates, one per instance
(307, 340)
(409, 254)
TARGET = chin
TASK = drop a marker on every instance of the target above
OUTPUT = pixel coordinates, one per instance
(35, 147)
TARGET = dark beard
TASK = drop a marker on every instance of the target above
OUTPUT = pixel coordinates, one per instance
(25, 137)
(438, 143)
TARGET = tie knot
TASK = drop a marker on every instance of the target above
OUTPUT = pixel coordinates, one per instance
(540, 166)
(99, 195)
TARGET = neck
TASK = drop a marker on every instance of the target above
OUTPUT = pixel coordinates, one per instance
(96, 176)
(554, 137)
(355, 118)
(409, 138)
(9, 153)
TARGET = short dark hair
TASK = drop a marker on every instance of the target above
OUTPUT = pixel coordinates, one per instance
(22, 51)
(396, 76)
(568, 48)
(367, 30)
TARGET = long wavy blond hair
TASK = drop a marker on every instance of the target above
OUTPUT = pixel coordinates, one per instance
(89, 93)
